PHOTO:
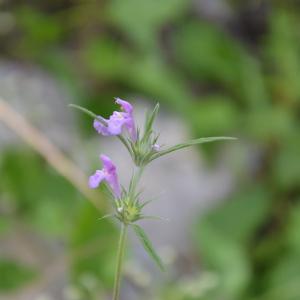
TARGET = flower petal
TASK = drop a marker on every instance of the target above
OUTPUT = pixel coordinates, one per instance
(111, 176)
(101, 128)
(126, 106)
(115, 123)
(96, 179)
(130, 125)
(108, 165)
(113, 181)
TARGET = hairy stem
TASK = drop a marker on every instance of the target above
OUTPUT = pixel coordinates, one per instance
(120, 255)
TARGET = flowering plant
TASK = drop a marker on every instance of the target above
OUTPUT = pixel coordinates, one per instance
(143, 148)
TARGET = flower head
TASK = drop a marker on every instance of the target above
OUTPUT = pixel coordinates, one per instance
(118, 121)
(109, 174)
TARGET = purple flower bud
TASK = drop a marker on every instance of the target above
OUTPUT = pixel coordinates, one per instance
(95, 179)
(109, 174)
(118, 121)
(156, 147)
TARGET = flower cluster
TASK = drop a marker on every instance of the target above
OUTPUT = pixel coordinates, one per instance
(122, 124)
(143, 148)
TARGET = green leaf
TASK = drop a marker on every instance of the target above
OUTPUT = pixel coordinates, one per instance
(143, 217)
(86, 111)
(147, 245)
(149, 122)
(191, 143)
(106, 217)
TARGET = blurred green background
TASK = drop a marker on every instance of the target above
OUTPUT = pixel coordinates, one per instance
(225, 68)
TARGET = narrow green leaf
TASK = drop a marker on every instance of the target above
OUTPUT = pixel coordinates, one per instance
(191, 143)
(147, 245)
(106, 216)
(86, 111)
(150, 118)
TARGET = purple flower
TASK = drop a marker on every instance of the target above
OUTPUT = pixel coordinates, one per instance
(101, 126)
(126, 106)
(109, 174)
(118, 121)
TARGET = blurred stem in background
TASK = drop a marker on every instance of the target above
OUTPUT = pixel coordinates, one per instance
(41, 144)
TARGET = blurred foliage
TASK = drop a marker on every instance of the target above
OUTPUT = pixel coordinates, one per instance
(94, 247)
(239, 77)
(33, 194)
(14, 275)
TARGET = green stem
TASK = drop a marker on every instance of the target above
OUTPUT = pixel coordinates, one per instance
(120, 255)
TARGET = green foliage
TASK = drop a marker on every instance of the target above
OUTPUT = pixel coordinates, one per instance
(149, 16)
(222, 237)
(292, 230)
(272, 123)
(105, 58)
(286, 171)
(282, 54)
(191, 143)
(241, 215)
(42, 201)
(39, 31)
(14, 275)
(215, 115)
(206, 52)
(91, 245)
